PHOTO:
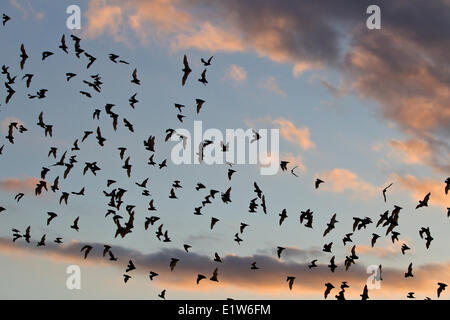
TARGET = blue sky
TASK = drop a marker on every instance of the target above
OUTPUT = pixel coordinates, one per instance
(362, 140)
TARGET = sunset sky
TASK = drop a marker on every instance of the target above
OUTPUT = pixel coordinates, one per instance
(358, 108)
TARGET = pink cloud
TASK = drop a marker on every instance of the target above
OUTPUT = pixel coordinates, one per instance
(410, 87)
(288, 131)
(26, 185)
(236, 73)
(418, 188)
(103, 18)
(299, 136)
(341, 180)
(235, 274)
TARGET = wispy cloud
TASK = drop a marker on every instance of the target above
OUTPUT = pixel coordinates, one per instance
(336, 91)
(236, 74)
(270, 84)
(27, 9)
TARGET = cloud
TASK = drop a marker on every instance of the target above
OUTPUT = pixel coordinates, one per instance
(413, 92)
(424, 151)
(270, 84)
(147, 19)
(335, 91)
(208, 38)
(400, 66)
(300, 67)
(386, 252)
(235, 274)
(405, 75)
(295, 253)
(103, 18)
(341, 180)
(236, 74)
(413, 151)
(25, 7)
(294, 161)
(288, 131)
(4, 125)
(377, 146)
(418, 188)
(26, 185)
(299, 136)
(232, 26)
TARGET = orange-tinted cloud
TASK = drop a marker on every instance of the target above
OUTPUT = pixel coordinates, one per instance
(418, 188)
(414, 98)
(299, 136)
(294, 161)
(410, 87)
(341, 180)
(300, 67)
(424, 151)
(104, 18)
(236, 73)
(405, 75)
(178, 23)
(148, 19)
(296, 135)
(208, 38)
(413, 151)
(234, 272)
(26, 185)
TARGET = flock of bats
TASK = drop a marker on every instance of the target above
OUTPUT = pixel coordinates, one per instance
(115, 195)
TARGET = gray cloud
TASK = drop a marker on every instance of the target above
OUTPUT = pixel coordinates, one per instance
(403, 66)
(235, 271)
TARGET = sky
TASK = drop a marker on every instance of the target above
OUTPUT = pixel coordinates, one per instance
(358, 108)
